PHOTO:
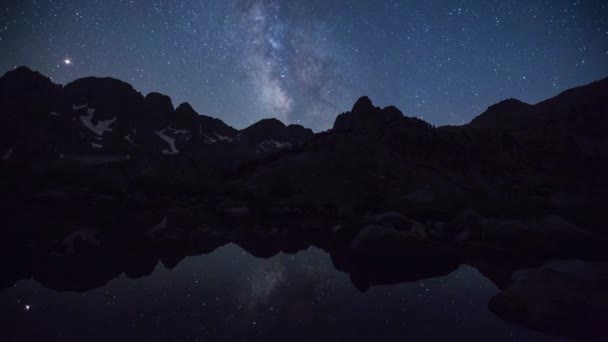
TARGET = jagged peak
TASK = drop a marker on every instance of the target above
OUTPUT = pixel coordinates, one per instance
(363, 104)
(101, 83)
(299, 129)
(24, 73)
(160, 100)
(509, 104)
(270, 122)
(185, 107)
(365, 117)
(22, 70)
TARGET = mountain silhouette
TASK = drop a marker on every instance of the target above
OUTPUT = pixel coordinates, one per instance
(104, 116)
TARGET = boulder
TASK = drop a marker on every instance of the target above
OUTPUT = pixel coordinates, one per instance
(568, 298)
(380, 255)
(238, 212)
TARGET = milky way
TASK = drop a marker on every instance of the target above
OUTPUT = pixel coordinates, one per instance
(307, 61)
(293, 75)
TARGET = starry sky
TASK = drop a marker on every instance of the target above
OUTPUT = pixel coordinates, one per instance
(306, 61)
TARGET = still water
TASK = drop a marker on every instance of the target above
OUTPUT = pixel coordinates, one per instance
(230, 295)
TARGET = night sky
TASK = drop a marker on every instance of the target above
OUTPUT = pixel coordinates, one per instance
(306, 61)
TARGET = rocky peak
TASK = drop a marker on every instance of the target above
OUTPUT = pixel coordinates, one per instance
(108, 96)
(505, 114)
(273, 129)
(507, 106)
(24, 76)
(363, 105)
(101, 86)
(299, 132)
(28, 92)
(158, 109)
(23, 81)
(265, 128)
(159, 102)
(366, 118)
(185, 109)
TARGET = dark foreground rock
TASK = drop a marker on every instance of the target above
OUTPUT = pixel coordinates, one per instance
(380, 255)
(567, 298)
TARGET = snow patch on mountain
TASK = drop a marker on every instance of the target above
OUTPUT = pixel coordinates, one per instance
(54, 114)
(178, 131)
(208, 139)
(222, 137)
(101, 127)
(159, 227)
(169, 140)
(128, 138)
(79, 107)
(274, 143)
(95, 145)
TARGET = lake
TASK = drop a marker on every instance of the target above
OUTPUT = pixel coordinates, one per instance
(229, 294)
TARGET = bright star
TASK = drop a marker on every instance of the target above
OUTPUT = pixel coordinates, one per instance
(67, 61)
(27, 308)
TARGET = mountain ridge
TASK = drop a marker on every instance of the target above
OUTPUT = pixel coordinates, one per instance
(362, 105)
(119, 119)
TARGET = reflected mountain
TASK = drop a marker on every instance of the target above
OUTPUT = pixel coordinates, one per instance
(92, 256)
(89, 258)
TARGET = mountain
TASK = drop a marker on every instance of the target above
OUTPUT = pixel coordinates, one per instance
(514, 160)
(94, 118)
(365, 117)
(373, 158)
(588, 102)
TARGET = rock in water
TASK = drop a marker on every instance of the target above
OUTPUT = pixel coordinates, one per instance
(567, 298)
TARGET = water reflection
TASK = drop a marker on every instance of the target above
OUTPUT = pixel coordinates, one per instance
(229, 294)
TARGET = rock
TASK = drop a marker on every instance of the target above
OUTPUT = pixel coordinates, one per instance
(567, 298)
(365, 117)
(565, 200)
(507, 113)
(336, 228)
(274, 133)
(420, 195)
(381, 255)
(238, 211)
(550, 237)
(461, 228)
(397, 221)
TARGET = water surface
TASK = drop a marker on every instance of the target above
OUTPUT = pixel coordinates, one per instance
(231, 295)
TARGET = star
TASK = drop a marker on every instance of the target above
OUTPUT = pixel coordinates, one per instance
(302, 62)
(27, 307)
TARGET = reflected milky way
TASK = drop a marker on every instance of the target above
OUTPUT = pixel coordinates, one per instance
(229, 295)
